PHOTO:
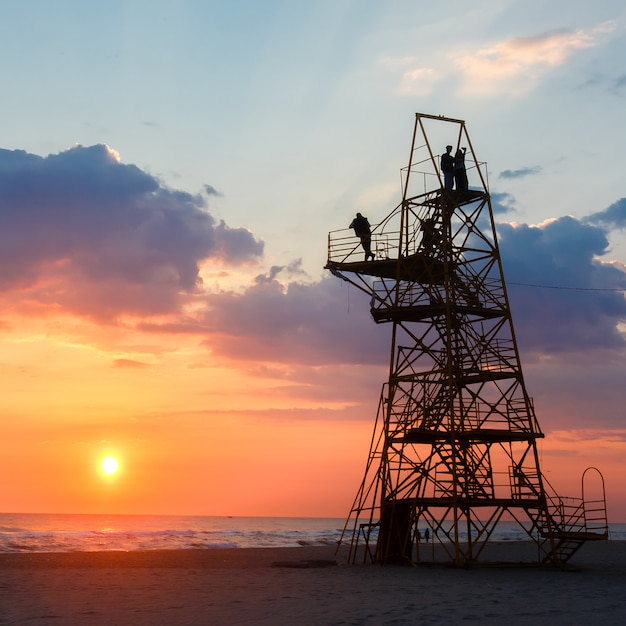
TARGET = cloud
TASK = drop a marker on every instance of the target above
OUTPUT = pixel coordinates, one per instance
(515, 65)
(613, 217)
(564, 299)
(211, 191)
(419, 81)
(129, 364)
(578, 391)
(520, 173)
(326, 346)
(502, 203)
(306, 323)
(560, 290)
(82, 231)
(512, 67)
(315, 340)
(414, 80)
(619, 84)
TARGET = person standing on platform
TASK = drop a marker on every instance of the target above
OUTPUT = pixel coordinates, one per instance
(447, 167)
(460, 174)
(362, 230)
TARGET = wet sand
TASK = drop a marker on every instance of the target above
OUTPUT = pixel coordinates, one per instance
(303, 586)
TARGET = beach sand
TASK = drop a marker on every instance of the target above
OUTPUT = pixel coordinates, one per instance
(245, 586)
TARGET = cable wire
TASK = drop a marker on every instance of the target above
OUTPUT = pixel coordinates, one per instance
(567, 288)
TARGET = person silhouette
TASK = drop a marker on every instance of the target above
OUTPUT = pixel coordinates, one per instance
(431, 235)
(460, 173)
(447, 167)
(362, 230)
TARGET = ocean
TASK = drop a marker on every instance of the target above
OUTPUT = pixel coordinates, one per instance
(76, 532)
(79, 533)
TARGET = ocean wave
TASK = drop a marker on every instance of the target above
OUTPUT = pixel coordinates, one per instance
(59, 533)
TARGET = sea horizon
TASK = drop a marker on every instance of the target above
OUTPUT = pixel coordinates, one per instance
(81, 532)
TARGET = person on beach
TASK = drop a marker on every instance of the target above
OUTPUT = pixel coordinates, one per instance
(362, 230)
(460, 174)
(447, 167)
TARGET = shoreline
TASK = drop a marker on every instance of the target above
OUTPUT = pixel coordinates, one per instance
(605, 553)
(232, 586)
(201, 558)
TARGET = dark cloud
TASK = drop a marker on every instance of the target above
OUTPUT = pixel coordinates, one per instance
(293, 269)
(316, 323)
(106, 237)
(579, 391)
(325, 346)
(211, 191)
(524, 171)
(619, 84)
(613, 217)
(502, 203)
(557, 286)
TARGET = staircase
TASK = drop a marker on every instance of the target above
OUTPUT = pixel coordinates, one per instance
(570, 522)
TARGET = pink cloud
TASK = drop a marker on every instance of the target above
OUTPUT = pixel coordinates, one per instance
(515, 64)
(129, 364)
(82, 231)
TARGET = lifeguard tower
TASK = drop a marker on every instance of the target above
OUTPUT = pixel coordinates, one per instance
(454, 450)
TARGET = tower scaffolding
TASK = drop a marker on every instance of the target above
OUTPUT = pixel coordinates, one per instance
(454, 450)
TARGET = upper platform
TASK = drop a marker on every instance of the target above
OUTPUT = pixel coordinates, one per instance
(411, 234)
(430, 254)
(415, 268)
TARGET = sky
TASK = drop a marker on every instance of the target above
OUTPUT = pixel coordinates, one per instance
(169, 173)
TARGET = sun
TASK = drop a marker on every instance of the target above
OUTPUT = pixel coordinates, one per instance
(109, 465)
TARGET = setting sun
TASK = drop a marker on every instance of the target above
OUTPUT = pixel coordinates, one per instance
(109, 465)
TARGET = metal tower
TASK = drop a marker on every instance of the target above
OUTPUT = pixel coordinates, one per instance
(454, 450)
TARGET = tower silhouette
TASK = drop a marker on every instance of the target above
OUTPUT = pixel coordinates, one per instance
(454, 451)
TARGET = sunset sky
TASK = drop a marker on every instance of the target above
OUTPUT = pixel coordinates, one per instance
(169, 171)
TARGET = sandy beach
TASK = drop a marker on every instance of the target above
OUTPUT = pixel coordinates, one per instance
(300, 586)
